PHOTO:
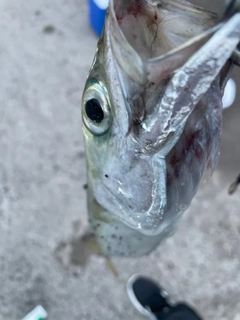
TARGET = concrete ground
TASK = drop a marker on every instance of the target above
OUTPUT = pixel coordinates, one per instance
(46, 48)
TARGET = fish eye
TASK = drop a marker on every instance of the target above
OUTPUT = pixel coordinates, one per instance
(95, 109)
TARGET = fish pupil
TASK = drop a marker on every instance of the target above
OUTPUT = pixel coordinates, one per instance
(94, 110)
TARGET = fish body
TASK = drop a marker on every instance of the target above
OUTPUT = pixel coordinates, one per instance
(152, 114)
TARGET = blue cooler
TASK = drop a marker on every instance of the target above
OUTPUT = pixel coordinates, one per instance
(97, 12)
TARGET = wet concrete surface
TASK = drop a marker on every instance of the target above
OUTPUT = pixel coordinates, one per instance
(46, 49)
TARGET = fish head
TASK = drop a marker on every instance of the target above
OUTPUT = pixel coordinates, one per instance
(127, 140)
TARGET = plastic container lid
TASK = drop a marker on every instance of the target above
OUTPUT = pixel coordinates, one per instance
(102, 4)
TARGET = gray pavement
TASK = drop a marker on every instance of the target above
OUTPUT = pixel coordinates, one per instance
(46, 48)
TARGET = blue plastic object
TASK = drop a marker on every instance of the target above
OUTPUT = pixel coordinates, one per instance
(97, 12)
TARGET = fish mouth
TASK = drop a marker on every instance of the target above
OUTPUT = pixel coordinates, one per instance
(155, 28)
(156, 38)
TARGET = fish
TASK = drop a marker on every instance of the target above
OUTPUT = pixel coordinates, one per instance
(151, 114)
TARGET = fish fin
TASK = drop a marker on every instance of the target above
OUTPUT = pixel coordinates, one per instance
(93, 247)
(112, 267)
(97, 250)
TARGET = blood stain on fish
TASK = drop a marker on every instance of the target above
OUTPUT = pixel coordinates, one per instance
(119, 19)
(137, 10)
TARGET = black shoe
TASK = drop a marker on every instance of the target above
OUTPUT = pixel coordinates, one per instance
(153, 301)
(146, 296)
(180, 311)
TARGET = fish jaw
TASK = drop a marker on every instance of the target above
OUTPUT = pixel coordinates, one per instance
(115, 238)
(131, 167)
